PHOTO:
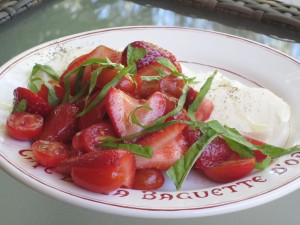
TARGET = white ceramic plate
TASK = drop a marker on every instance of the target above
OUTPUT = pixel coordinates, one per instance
(199, 50)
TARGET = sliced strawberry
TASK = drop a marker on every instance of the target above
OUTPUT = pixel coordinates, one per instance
(216, 152)
(145, 88)
(99, 52)
(44, 91)
(61, 124)
(35, 104)
(171, 85)
(101, 171)
(120, 107)
(204, 110)
(153, 52)
(168, 145)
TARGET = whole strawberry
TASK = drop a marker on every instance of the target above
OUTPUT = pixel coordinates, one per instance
(153, 52)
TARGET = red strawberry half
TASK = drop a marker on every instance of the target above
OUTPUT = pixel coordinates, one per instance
(153, 52)
(168, 145)
(120, 107)
(35, 104)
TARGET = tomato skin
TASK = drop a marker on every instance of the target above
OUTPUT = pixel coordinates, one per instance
(97, 180)
(49, 153)
(258, 154)
(24, 126)
(148, 179)
(100, 171)
(230, 170)
(91, 137)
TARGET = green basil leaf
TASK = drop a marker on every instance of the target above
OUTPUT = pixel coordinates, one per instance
(179, 171)
(274, 151)
(134, 54)
(89, 62)
(151, 78)
(93, 81)
(167, 63)
(21, 106)
(202, 93)
(45, 68)
(178, 108)
(145, 151)
(52, 97)
(264, 164)
(133, 117)
(105, 89)
(234, 135)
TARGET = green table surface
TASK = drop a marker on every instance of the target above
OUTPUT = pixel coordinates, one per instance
(54, 19)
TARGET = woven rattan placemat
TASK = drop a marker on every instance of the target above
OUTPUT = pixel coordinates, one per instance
(9, 8)
(267, 11)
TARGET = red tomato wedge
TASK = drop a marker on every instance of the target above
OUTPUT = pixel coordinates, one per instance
(101, 171)
(24, 126)
(49, 153)
(148, 179)
(91, 137)
(230, 170)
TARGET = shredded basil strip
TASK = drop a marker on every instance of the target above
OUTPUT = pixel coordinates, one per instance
(133, 117)
(178, 108)
(21, 106)
(79, 94)
(179, 171)
(52, 97)
(93, 81)
(167, 63)
(105, 89)
(198, 100)
(45, 68)
(104, 62)
(79, 78)
(151, 78)
(149, 129)
(264, 164)
(233, 135)
(145, 151)
(134, 55)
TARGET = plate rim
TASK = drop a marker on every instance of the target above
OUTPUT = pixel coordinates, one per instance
(11, 168)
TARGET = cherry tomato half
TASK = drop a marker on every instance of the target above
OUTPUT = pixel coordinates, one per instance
(148, 179)
(49, 153)
(230, 170)
(24, 126)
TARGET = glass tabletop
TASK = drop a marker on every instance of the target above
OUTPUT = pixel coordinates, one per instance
(54, 19)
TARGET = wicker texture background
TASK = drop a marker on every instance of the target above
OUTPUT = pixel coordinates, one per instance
(9, 9)
(267, 11)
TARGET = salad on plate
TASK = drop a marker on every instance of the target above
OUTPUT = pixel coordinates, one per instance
(136, 117)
